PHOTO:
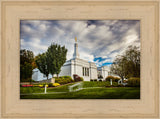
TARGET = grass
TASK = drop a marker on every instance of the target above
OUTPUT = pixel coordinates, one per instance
(96, 84)
(91, 93)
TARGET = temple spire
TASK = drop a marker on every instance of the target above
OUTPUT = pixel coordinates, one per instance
(76, 54)
(75, 39)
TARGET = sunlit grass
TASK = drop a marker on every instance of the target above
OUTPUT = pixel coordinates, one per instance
(88, 93)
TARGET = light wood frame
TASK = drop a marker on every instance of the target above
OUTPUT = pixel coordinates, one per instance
(13, 11)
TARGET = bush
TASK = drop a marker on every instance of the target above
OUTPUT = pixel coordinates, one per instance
(35, 85)
(95, 79)
(109, 77)
(134, 82)
(77, 78)
(27, 85)
(114, 79)
(114, 84)
(68, 78)
(56, 84)
(108, 84)
(81, 78)
(50, 84)
(40, 85)
(64, 80)
(100, 80)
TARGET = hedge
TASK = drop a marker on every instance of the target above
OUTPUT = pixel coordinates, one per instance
(134, 82)
(114, 79)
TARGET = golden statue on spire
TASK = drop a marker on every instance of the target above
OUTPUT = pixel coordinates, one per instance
(75, 39)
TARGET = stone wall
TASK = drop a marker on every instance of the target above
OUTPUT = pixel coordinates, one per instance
(65, 70)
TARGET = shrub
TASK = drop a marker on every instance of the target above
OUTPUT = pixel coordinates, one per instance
(81, 79)
(69, 77)
(40, 85)
(50, 84)
(114, 84)
(35, 85)
(114, 79)
(134, 82)
(95, 79)
(27, 85)
(77, 78)
(109, 77)
(46, 85)
(108, 84)
(64, 80)
(56, 84)
(100, 80)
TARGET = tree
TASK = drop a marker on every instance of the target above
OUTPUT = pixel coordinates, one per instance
(26, 71)
(61, 54)
(42, 64)
(26, 59)
(34, 65)
(51, 56)
(118, 67)
(26, 56)
(128, 64)
(133, 61)
(56, 56)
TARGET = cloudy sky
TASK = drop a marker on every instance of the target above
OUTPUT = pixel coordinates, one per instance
(98, 41)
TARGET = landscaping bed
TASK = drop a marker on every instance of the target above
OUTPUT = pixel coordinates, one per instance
(92, 90)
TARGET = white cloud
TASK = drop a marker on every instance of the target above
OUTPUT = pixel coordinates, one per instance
(86, 56)
(22, 42)
(105, 39)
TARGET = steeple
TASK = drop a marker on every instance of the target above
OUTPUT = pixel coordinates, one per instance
(76, 54)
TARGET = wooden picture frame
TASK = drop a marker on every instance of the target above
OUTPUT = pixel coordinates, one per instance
(12, 11)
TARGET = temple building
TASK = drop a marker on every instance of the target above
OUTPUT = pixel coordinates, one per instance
(81, 67)
(76, 65)
(103, 71)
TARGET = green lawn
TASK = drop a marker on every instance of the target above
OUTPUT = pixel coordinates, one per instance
(88, 93)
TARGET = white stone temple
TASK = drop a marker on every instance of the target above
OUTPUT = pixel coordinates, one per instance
(81, 67)
(103, 71)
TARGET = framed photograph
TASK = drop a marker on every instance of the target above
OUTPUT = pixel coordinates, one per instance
(54, 65)
(80, 59)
